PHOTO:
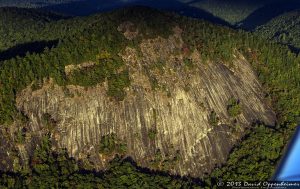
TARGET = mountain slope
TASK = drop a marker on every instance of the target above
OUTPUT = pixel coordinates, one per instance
(268, 12)
(32, 30)
(284, 29)
(246, 14)
(232, 11)
(168, 95)
(156, 118)
(22, 25)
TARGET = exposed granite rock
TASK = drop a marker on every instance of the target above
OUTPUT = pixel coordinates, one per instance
(170, 121)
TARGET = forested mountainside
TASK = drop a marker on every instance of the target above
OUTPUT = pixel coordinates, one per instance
(19, 26)
(31, 30)
(130, 85)
(267, 12)
(246, 14)
(232, 11)
(284, 29)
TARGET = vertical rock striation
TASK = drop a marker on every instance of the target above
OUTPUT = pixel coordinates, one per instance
(166, 127)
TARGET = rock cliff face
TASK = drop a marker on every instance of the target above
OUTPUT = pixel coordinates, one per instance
(165, 120)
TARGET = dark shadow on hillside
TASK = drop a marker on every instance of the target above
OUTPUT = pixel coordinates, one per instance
(161, 173)
(185, 9)
(115, 164)
(30, 13)
(294, 49)
(22, 49)
(265, 14)
(95, 6)
(121, 160)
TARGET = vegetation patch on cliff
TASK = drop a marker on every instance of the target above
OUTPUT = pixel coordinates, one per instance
(111, 144)
(233, 107)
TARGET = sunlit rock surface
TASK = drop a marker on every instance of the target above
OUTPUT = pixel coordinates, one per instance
(170, 120)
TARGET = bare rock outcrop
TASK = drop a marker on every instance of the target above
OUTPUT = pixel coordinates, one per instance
(165, 126)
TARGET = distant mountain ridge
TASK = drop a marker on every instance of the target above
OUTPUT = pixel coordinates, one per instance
(284, 29)
(268, 12)
(245, 14)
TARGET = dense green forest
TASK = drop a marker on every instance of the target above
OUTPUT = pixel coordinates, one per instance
(284, 29)
(277, 68)
(20, 26)
(56, 170)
